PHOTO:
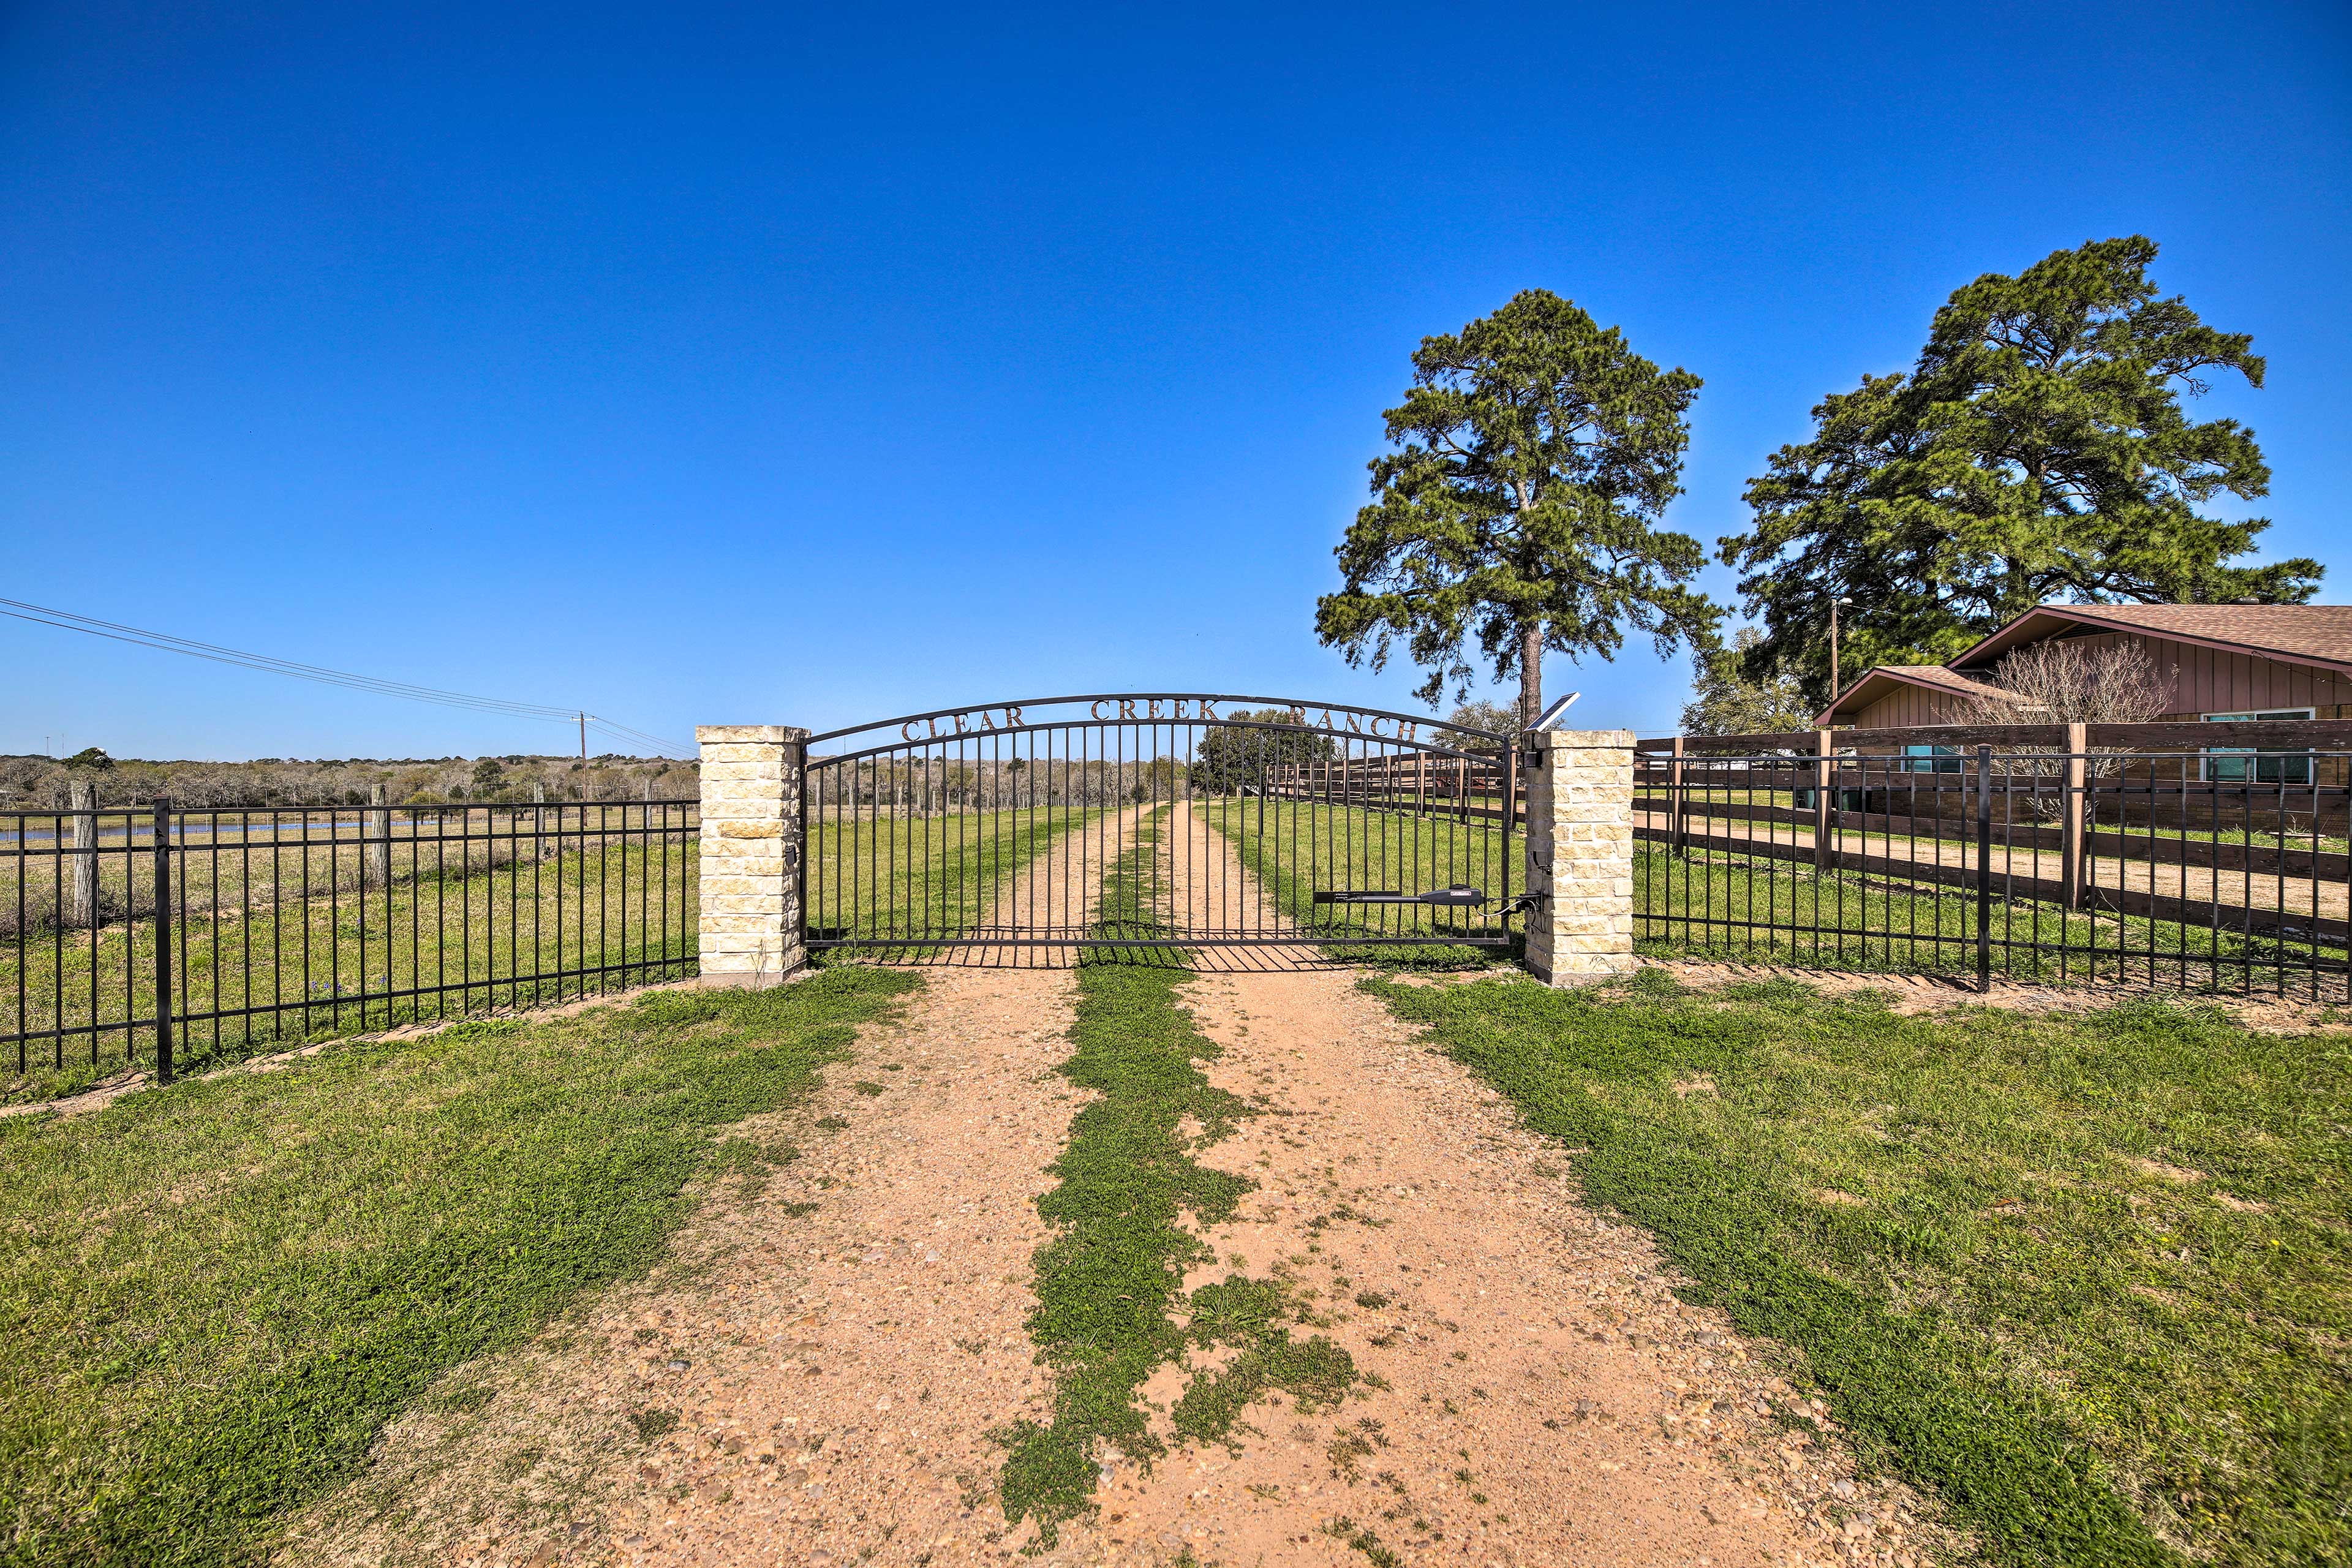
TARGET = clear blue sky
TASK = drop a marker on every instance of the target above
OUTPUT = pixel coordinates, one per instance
(728, 366)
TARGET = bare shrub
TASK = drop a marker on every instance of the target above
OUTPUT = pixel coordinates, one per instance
(2068, 680)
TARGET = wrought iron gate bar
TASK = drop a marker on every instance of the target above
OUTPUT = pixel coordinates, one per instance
(1421, 720)
(1427, 748)
(1156, 820)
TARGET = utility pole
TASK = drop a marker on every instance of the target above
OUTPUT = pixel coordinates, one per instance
(1837, 682)
(583, 742)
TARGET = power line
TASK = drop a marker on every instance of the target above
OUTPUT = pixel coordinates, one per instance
(164, 642)
(625, 733)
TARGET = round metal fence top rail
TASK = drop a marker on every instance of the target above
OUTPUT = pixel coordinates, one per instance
(1167, 707)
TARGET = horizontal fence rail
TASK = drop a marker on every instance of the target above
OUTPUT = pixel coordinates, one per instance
(130, 936)
(2162, 737)
(2200, 871)
(1469, 788)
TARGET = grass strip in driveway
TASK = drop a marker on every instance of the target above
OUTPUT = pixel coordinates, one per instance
(2086, 1277)
(213, 1295)
(1109, 1282)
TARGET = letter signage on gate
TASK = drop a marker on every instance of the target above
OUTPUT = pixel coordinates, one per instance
(966, 721)
(1334, 720)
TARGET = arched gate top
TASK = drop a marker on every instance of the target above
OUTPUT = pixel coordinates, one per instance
(1093, 708)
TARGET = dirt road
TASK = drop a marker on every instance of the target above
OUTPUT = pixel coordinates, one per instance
(818, 1380)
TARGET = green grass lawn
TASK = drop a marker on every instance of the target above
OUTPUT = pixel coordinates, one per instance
(1128, 1203)
(213, 1295)
(1728, 906)
(1293, 847)
(427, 946)
(2086, 1278)
(233, 859)
(1962, 830)
(918, 878)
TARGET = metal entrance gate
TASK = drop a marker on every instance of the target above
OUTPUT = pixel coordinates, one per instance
(1158, 819)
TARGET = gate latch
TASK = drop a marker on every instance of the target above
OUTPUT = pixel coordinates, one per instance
(1458, 894)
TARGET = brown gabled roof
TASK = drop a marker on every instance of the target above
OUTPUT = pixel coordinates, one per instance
(1877, 682)
(2301, 634)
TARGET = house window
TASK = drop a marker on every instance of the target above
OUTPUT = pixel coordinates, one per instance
(2244, 765)
(1929, 760)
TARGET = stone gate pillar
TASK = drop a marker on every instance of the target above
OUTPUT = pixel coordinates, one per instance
(752, 840)
(1579, 853)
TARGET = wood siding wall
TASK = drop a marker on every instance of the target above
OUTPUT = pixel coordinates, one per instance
(2201, 681)
(2198, 681)
(1909, 705)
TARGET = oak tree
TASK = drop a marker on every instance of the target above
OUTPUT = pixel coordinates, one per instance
(1233, 760)
(1725, 700)
(1487, 718)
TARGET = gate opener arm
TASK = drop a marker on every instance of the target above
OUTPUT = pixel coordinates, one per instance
(1457, 894)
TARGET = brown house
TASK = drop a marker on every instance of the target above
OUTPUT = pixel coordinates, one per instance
(2219, 662)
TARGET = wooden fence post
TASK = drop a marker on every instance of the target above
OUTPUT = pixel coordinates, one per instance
(378, 833)
(82, 902)
(1822, 800)
(2072, 803)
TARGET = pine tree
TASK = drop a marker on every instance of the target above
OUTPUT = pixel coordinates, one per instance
(2038, 451)
(1536, 454)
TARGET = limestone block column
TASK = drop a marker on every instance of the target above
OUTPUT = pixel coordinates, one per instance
(1579, 853)
(752, 840)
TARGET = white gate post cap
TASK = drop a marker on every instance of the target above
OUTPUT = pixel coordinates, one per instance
(724, 734)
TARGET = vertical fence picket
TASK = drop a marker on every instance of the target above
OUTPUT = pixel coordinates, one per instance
(164, 1001)
(1984, 867)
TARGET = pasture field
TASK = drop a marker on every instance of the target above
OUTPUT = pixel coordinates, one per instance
(214, 1295)
(426, 946)
(248, 860)
(2086, 1275)
(1280, 842)
(1728, 906)
(918, 878)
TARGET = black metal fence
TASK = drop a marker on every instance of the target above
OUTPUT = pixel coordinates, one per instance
(2205, 870)
(143, 935)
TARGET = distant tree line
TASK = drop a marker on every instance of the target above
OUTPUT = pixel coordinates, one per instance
(40, 784)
